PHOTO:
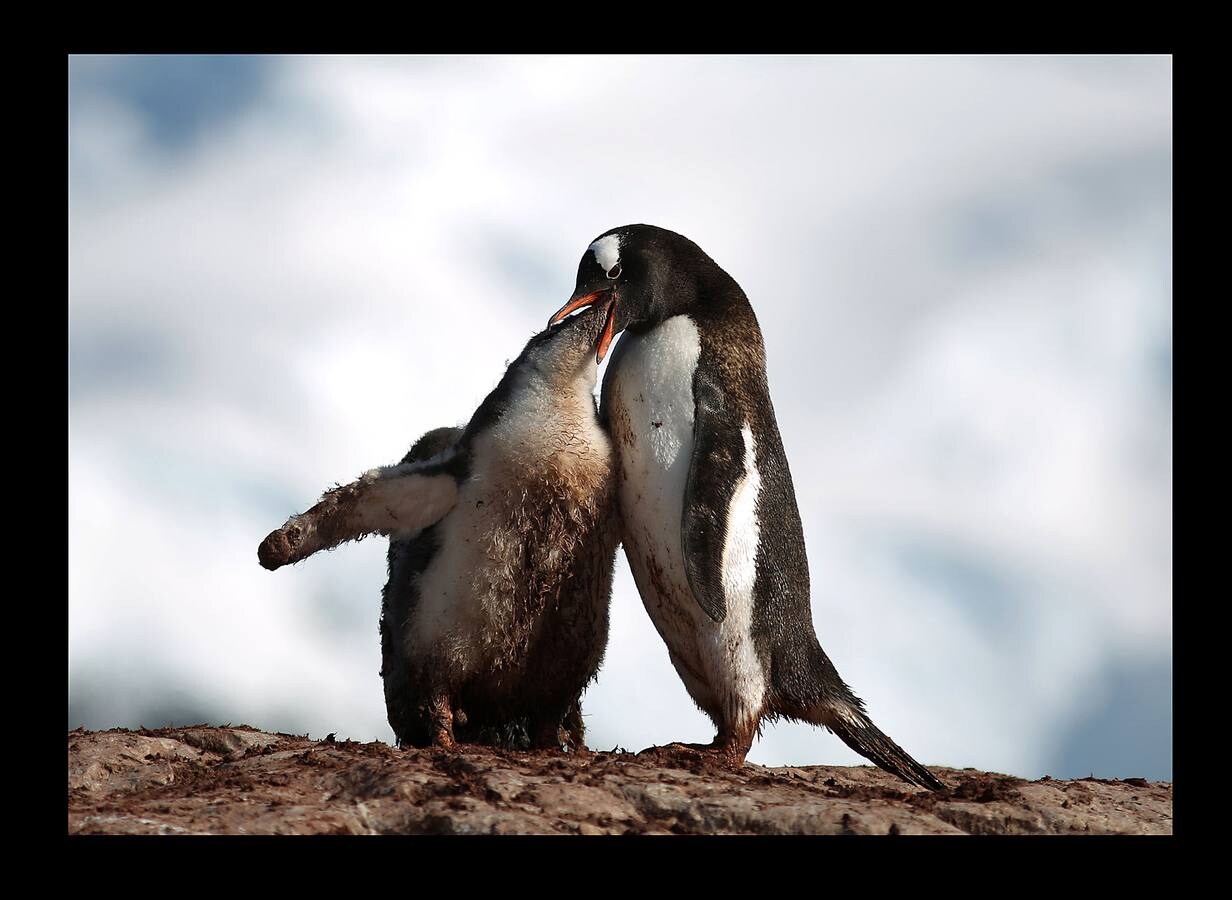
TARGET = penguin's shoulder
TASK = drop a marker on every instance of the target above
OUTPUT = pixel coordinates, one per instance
(733, 351)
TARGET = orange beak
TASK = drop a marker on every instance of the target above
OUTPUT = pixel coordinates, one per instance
(609, 326)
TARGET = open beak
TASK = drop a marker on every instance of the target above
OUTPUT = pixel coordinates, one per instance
(609, 324)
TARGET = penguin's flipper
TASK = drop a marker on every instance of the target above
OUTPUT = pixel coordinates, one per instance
(715, 469)
(858, 732)
(404, 498)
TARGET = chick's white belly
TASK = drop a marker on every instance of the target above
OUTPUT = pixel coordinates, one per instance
(453, 615)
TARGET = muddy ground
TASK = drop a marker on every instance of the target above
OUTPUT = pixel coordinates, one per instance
(237, 780)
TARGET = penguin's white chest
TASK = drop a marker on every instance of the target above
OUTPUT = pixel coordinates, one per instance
(651, 416)
(652, 428)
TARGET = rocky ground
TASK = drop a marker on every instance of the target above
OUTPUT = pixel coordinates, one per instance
(205, 780)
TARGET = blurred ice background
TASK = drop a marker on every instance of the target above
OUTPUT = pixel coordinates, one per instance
(283, 270)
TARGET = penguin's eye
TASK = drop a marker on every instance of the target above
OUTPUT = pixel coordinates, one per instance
(614, 272)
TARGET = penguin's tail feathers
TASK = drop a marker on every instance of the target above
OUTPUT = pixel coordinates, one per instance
(858, 732)
(405, 498)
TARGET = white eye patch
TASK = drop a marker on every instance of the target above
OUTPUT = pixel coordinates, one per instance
(607, 251)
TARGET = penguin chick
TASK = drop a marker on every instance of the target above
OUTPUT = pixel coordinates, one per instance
(407, 558)
(509, 617)
(711, 526)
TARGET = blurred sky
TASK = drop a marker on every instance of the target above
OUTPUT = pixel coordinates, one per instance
(284, 270)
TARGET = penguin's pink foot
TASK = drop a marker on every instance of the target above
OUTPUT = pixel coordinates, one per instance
(440, 723)
(733, 745)
(727, 750)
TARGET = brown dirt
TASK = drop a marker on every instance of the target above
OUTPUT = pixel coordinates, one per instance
(237, 780)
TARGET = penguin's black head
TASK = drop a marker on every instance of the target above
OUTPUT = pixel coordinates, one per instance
(644, 275)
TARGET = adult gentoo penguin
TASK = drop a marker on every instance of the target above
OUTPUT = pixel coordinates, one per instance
(711, 528)
(514, 526)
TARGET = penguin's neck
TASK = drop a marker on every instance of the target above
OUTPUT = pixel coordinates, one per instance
(547, 380)
(550, 398)
(549, 434)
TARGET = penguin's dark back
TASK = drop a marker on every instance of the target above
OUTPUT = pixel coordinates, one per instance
(732, 343)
